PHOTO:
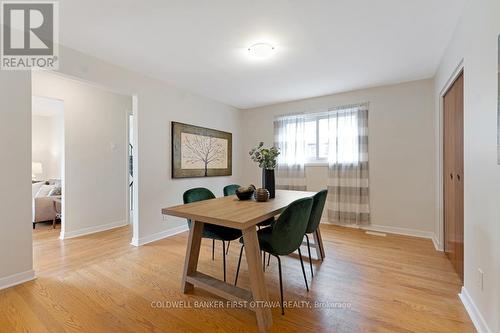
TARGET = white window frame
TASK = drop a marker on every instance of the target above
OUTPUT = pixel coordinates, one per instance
(316, 161)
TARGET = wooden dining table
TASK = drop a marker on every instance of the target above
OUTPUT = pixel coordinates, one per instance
(242, 215)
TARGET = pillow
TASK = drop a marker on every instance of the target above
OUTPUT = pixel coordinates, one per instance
(56, 182)
(55, 191)
(35, 187)
(44, 191)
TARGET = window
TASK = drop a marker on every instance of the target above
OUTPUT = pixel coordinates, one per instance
(317, 138)
(331, 138)
(335, 137)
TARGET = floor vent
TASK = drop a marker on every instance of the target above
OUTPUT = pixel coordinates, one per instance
(374, 233)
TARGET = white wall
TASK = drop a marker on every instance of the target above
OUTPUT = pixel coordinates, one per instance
(47, 144)
(475, 41)
(95, 141)
(159, 104)
(401, 148)
(15, 168)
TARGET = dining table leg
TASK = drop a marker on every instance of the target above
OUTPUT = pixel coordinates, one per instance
(192, 254)
(256, 277)
(320, 242)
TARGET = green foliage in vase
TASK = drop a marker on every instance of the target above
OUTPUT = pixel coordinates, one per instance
(265, 157)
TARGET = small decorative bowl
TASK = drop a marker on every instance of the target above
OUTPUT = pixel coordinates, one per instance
(261, 195)
(244, 192)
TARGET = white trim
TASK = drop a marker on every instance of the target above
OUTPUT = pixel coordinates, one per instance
(375, 233)
(436, 243)
(15, 279)
(92, 230)
(473, 311)
(128, 209)
(389, 230)
(159, 235)
(399, 231)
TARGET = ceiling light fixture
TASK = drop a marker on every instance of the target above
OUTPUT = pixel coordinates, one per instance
(261, 50)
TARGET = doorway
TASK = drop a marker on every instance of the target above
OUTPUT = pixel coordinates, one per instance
(47, 155)
(130, 166)
(453, 173)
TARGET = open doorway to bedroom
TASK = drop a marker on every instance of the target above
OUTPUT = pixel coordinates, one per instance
(47, 155)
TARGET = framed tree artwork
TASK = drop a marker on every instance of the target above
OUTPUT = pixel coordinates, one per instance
(200, 152)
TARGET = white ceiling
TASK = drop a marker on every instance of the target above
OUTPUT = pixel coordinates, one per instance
(322, 46)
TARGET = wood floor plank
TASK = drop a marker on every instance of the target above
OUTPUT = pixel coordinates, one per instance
(20, 317)
(100, 283)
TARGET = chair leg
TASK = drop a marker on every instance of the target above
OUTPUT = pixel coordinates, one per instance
(268, 259)
(281, 285)
(263, 261)
(227, 250)
(213, 249)
(309, 252)
(33, 225)
(303, 270)
(224, 258)
(238, 269)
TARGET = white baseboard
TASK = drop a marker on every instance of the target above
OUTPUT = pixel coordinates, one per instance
(91, 230)
(436, 243)
(473, 312)
(391, 230)
(159, 235)
(399, 231)
(15, 279)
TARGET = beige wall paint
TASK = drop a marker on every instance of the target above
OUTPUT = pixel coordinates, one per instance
(95, 159)
(402, 150)
(15, 196)
(475, 42)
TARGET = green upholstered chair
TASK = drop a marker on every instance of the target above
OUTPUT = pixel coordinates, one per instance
(319, 200)
(230, 189)
(211, 231)
(284, 237)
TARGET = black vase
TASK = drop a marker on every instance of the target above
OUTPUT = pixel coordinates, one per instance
(268, 181)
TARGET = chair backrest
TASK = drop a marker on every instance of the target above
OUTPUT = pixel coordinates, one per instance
(288, 231)
(197, 194)
(230, 189)
(319, 200)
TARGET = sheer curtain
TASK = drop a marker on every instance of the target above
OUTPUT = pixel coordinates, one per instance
(348, 178)
(289, 137)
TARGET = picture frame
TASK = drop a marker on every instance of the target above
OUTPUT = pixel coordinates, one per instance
(200, 151)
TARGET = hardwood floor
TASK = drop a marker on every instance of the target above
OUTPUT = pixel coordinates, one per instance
(100, 283)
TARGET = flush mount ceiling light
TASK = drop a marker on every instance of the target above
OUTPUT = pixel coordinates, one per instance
(261, 50)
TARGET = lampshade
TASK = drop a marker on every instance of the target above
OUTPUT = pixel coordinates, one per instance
(36, 168)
